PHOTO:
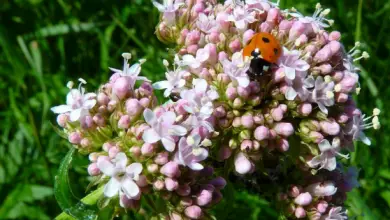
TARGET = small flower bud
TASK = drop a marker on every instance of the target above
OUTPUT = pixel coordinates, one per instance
(99, 120)
(85, 142)
(316, 137)
(235, 46)
(171, 184)
(183, 190)
(305, 109)
(244, 92)
(322, 206)
(113, 152)
(247, 121)
(124, 122)
(147, 149)
(102, 99)
(242, 164)
(297, 29)
(231, 93)
(193, 212)
(204, 197)
(261, 133)
(171, 169)
(74, 138)
(161, 158)
(248, 34)
(62, 119)
(152, 168)
(224, 153)
(121, 87)
(283, 128)
(93, 170)
(158, 185)
(237, 103)
(330, 127)
(300, 212)
(282, 145)
(294, 191)
(303, 199)
(277, 114)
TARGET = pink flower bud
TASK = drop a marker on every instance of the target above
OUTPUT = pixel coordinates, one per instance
(204, 197)
(220, 112)
(237, 103)
(261, 133)
(282, 145)
(192, 37)
(140, 130)
(247, 121)
(152, 168)
(179, 107)
(303, 199)
(334, 35)
(294, 191)
(192, 49)
(147, 149)
(241, 164)
(186, 201)
(213, 57)
(246, 145)
(341, 97)
(102, 99)
(296, 30)
(284, 129)
(183, 190)
(74, 138)
(343, 118)
(248, 34)
(93, 170)
(113, 152)
(322, 206)
(244, 92)
(145, 102)
(62, 119)
(171, 169)
(142, 181)
(305, 109)
(231, 93)
(316, 137)
(99, 120)
(236, 122)
(93, 157)
(223, 24)
(330, 127)
(335, 47)
(171, 184)
(146, 89)
(161, 158)
(87, 122)
(265, 27)
(348, 83)
(235, 46)
(273, 15)
(300, 212)
(129, 203)
(193, 212)
(124, 122)
(222, 56)
(224, 153)
(285, 26)
(198, 7)
(277, 114)
(323, 55)
(158, 185)
(121, 87)
(213, 37)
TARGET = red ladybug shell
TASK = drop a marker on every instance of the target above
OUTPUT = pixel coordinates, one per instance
(267, 46)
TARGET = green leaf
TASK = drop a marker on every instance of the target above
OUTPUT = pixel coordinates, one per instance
(86, 208)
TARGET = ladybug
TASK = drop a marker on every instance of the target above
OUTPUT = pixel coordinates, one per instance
(263, 49)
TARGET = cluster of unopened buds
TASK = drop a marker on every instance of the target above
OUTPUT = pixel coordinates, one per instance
(221, 121)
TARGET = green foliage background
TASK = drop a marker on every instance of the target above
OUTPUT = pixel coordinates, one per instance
(44, 44)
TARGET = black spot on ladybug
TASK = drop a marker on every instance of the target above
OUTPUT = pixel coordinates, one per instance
(276, 51)
(265, 40)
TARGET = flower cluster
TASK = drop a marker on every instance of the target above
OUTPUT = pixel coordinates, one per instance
(298, 116)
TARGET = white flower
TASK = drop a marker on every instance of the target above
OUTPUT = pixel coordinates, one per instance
(359, 123)
(130, 72)
(206, 23)
(162, 128)
(335, 213)
(236, 69)
(199, 104)
(241, 18)
(317, 21)
(202, 55)
(327, 158)
(78, 104)
(173, 83)
(169, 8)
(322, 189)
(122, 177)
(190, 152)
(322, 94)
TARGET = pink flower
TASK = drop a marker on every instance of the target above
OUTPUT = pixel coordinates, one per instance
(162, 128)
(241, 18)
(169, 8)
(206, 23)
(236, 69)
(174, 82)
(322, 94)
(327, 158)
(190, 152)
(335, 213)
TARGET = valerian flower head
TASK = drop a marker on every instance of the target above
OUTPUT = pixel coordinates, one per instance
(162, 128)
(78, 103)
(237, 69)
(199, 104)
(323, 94)
(190, 152)
(122, 177)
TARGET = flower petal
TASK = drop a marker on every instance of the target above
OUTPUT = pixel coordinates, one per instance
(150, 136)
(112, 188)
(290, 94)
(161, 85)
(168, 143)
(177, 130)
(61, 109)
(290, 72)
(195, 166)
(121, 160)
(149, 116)
(75, 114)
(106, 167)
(134, 169)
(130, 188)
(324, 145)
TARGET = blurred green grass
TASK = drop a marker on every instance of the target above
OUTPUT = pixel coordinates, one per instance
(46, 43)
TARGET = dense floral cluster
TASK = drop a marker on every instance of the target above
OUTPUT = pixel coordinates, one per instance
(219, 117)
